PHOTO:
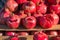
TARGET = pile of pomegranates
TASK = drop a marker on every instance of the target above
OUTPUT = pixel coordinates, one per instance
(30, 13)
(15, 35)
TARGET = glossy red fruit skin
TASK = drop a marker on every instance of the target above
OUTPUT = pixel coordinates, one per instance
(53, 33)
(14, 38)
(11, 34)
(12, 5)
(54, 18)
(45, 22)
(21, 1)
(29, 7)
(13, 21)
(56, 8)
(29, 22)
(42, 8)
(23, 33)
(40, 36)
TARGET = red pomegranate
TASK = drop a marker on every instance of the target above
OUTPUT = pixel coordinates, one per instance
(13, 21)
(45, 22)
(11, 34)
(53, 17)
(29, 7)
(29, 22)
(11, 4)
(41, 7)
(40, 36)
(55, 8)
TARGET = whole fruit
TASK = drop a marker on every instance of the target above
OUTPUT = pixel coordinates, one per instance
(40, 36)
(13, 21)
(44, 22)
(55, 8)
(29, 7)
(29, 22)
(41, 7)
(53, 17)
(11, 34)
(12, 5)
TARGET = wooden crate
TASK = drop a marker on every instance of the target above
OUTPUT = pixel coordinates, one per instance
(30, 37)
(21, 28)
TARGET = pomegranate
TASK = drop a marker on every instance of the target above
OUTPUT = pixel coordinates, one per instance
(40, 36)
(41, 7)
(29, 22)
(53, 17)
(13, 21)
(11, 34)
(12, 5)
(55, 8)
(45, 22)
(29, 7)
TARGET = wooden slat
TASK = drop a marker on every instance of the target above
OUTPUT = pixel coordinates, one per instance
(37, 28)
(30, 37)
